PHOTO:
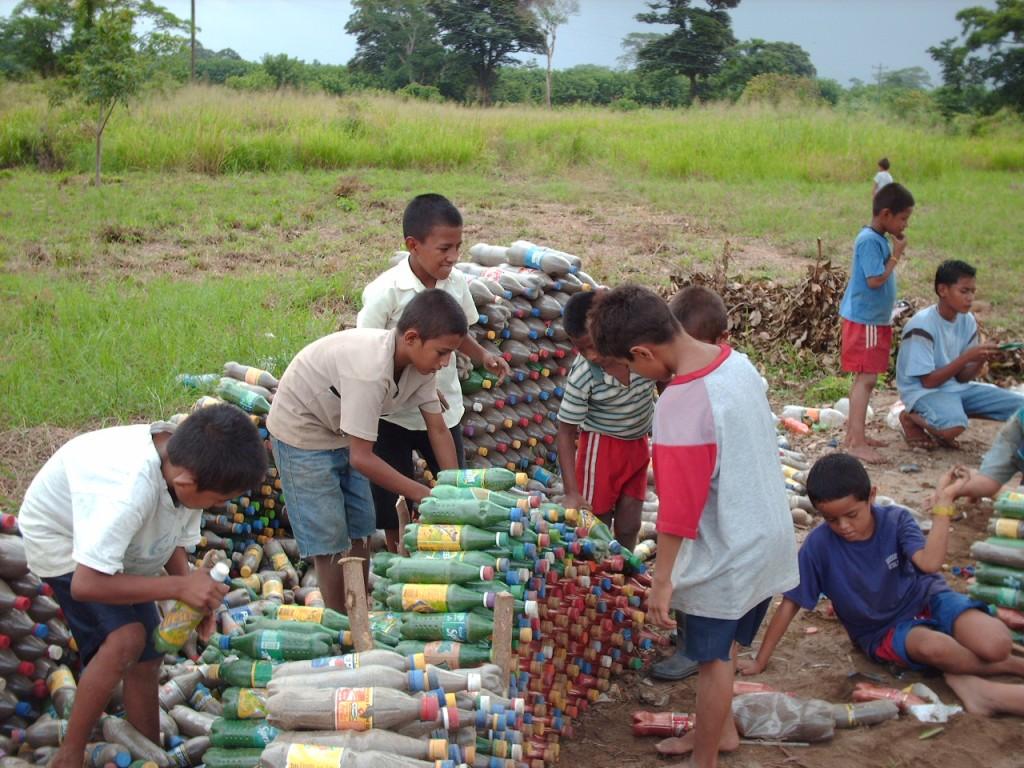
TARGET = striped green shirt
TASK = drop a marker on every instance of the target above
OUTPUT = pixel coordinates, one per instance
(598, 402)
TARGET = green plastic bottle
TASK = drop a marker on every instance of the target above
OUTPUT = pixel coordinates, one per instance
(1007, 527)
(1004, 596)
(217, 757)
(999, 576)
(303, 628)
(436, 598)
(247, 400)
(325, 617)
(492, 478)
(460, 627)
(500, 498)
(243, 673)
(240, 734)
(437, 571)
(179, 622)
(447, 654)
(467, 512)
(452, 538)
(516, 590)
(276, 645)
(1010, 504)
(473, 557)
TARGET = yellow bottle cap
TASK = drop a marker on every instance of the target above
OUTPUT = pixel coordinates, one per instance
(522, 478)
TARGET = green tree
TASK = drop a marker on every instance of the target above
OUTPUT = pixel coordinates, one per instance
(107, 70)
(908, 79)
(992, 50)
(631, 46)
(396, 42)
(284, 70)
(551, 14)
(697, 47)
(750, 58)
(34, 36)
(484, 34)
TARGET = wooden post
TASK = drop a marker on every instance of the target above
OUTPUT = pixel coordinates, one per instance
(402, 508)
(355, 603)
(504, 610)
(192, 51)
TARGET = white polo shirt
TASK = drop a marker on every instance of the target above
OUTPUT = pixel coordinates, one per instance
(383, 302)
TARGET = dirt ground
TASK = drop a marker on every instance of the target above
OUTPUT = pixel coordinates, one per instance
(824, 664)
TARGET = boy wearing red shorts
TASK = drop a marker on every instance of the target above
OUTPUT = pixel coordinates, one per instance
(866, 310)
(611, 410)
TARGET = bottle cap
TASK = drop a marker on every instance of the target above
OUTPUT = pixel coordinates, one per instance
(429, 708)
(122, 759)
(486, 573)
(22, 603)
(522, 478)
(41, 630)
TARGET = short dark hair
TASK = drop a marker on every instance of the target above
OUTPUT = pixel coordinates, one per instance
(574, 314)
(951, 270)
(630, 315)
(837, 476)
(884, 163)
(222, 449)
(895, 197)
(433, 313)
(701, 312)
(424, 212)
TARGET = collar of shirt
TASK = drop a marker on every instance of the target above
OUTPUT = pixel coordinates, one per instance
(406, 279)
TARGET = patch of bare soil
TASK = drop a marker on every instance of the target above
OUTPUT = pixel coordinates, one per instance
(820, 664)
(22, 453)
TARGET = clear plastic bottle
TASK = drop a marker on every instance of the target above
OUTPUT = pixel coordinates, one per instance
(122, 732)
(376, 657)
(281, 755)
(376, 739)
(182, 618)
(348, 709)
(102, 753)
(61, 684)
(250, 375)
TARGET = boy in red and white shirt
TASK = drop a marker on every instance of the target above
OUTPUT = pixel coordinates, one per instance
(725, 533)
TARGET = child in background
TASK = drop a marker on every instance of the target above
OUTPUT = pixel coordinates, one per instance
(324, 419)
(725, 533)
(610, 409)
(940, 356)
(703, 315)
(866, 310)
(432, 228)
(102, 518)
(882, 576)
(883, 177)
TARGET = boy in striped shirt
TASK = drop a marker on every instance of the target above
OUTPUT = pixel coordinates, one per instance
(611, 410)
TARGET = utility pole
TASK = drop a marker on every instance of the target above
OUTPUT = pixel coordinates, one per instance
(879, 71)
(192, 58)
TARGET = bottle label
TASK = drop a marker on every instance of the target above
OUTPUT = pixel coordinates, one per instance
(313, 756)
(346, 661)
(454, 626)
(280, 561)
(425, 598)
(1004, 527)
(300, 613)
(269, 645)
(252, 704)
(442, 653)
(470, 478)
(178, 622)
(681, 723)
(353, 709)
(431, 538)
(252, 375)
(272, 587)
(532, 258)
(61, 677)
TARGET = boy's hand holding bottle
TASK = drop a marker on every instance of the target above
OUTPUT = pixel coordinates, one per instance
(496, 365)
(201, 591)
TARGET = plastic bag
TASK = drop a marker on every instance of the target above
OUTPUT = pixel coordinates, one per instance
(779, 717)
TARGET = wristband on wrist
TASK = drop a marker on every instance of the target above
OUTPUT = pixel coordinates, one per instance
(944, 510)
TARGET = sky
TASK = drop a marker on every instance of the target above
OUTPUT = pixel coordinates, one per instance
(845, 38)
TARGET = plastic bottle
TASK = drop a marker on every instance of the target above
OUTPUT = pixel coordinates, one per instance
(276, 645)
(12, 557)
(864, 713)
(1004, 596)
(355, 709)
(61, 684)
(444, 572)
(436, 598)
(315, 756)
(363, 677)
(661, 723)
(240, 734)
(122, 732)
(827, 417)
(250, 375)
(376, 739)
(508, 281)
(191, 723)
(202, 700)
(466, 512)
(100, 754)
(179, 689)
(475, 382)
(451, 537)
(1008, 504)
(460, 627)
(1006, 527)
(280, 561)
(11, 664)
(243, 673)
(1000, 576)
(43, 609)
(325, 617)
(11, 707)
(179, 622)
(9, 599)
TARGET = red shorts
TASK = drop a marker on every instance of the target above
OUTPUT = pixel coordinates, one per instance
(866, 348)
(608, 468)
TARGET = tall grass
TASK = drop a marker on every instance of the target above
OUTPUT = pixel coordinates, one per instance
(216, 130)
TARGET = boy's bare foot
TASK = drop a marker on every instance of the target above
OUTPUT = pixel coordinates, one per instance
(982, 697)
(683, 745)
(866, 453)
(914, 433)
(875, 442)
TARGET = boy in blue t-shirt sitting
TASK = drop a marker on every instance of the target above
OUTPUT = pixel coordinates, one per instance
(882, 576)
(939, 358)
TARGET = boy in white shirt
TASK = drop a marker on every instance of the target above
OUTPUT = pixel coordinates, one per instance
(883, 177)
(432, 228)
(104, 516)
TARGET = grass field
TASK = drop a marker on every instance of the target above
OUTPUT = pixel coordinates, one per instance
(188, 256)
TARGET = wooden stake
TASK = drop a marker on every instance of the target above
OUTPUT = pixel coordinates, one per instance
(504, 608)
(402, 508)
(355, 603)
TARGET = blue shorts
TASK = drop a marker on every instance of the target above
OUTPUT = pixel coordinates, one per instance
(943, 410)
(712, 639)
(328, 502)
(942, 611)
(91, 623)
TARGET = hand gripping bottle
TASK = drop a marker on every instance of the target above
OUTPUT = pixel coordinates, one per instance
(182, 618)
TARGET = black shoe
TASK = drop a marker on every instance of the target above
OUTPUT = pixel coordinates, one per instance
(678, 666)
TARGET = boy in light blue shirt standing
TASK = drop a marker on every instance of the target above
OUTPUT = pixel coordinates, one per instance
(866, 310)
(940, 356)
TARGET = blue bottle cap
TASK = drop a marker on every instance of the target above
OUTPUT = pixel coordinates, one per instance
(122, 759)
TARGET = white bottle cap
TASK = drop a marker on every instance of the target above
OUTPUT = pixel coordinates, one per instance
(220, 571)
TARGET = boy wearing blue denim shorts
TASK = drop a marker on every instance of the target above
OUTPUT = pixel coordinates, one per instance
(882, 576)
(105, 516)
(324, 420)
(941, 355)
